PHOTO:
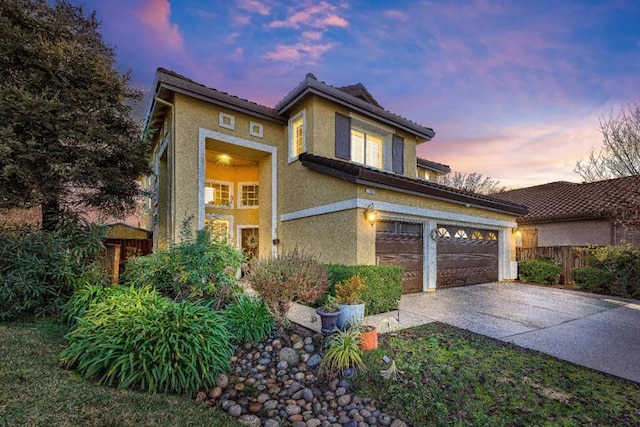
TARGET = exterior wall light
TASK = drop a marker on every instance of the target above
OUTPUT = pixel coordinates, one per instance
(517, 232)
(371, 214)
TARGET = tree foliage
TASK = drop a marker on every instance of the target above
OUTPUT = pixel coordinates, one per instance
(619, 154)
(474, 182)
(68, 141)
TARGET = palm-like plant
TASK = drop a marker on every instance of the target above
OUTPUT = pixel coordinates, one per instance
(343, 353)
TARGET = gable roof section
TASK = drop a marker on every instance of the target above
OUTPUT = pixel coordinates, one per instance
(562, 201)
(359, 174)
(359, 91)
(433, 166)
(167, 80)
(311, 85)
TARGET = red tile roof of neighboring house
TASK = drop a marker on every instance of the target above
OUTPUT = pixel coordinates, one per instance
(376, 178)
(311, 85)
(570, 201)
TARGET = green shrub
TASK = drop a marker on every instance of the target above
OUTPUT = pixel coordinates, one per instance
(82, 299)
(593, 279)
(540, 270)
(623, 262)
(384, 284)
(138, 339)
(39, 270)
(249, 320)
(197, 268)
(292, 276)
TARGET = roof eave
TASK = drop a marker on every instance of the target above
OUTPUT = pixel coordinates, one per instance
(311, 86)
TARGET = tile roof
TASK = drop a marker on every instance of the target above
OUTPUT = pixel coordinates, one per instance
(179, 83)
(563, 200)
(360, 174)
(359, 91)
(428, 164)
(312, 85)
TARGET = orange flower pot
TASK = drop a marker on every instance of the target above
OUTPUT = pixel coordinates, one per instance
(369, 339)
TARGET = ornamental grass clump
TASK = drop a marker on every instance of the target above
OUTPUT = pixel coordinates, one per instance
(292, 276)
(343, 353)
(249, 320)
(138, 339)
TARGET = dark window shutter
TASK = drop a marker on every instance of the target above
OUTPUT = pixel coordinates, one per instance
(343, 137)
(397, 153)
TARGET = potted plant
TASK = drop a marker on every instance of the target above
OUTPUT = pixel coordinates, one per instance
(368, 337)
(349, 297)
(343, 353)
(329, 313)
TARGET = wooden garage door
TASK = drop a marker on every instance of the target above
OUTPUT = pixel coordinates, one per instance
(466, 256)
(400, 243)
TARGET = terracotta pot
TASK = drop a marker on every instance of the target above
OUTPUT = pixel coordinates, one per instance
(369, 339)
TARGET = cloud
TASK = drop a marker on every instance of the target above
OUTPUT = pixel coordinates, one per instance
(312, 35)
(396, 14)
(154, 15)
(237, 55)
(321, 15)
(298, 53)
(254, 6)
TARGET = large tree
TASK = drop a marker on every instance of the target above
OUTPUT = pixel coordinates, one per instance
(619, 154)
(474, 182)
(68, 141)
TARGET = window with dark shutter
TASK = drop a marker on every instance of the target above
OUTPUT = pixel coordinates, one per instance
(397, 153)
(343, 137)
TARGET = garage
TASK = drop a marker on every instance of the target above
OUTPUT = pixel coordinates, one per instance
(465, 256)
(400, 243)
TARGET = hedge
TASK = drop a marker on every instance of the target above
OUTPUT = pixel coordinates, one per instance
(540, 270)
(593, 279)
(384, 284)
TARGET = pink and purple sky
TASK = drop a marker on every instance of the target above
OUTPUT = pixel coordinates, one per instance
(513, 89)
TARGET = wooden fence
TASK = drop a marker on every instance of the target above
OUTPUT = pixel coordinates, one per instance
(116, 252)
(569, 256)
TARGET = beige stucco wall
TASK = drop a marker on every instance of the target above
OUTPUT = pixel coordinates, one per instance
(191, 116)
(573, 233)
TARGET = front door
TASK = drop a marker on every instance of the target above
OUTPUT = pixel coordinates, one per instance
(250, 242)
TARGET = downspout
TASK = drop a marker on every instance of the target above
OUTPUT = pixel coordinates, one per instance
(172, 143)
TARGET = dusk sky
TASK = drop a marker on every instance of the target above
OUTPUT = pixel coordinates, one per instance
(513, 89)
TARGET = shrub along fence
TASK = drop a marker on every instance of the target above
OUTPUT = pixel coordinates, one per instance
(570, 257)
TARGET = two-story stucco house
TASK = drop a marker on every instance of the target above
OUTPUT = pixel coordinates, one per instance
(327, 170)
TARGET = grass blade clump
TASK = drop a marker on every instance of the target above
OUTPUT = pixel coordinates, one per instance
(137, 339)
(249, 320)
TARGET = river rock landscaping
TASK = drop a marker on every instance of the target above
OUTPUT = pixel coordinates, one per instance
(273, 385)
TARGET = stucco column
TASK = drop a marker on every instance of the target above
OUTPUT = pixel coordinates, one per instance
(430, 274)
(505, 265)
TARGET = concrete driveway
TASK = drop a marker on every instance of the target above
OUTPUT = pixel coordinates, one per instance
(599, 332)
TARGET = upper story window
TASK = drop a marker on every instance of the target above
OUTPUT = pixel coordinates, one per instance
(363, 141)
(366, 148)
(218, 193)
(297, 131)
(249, 195)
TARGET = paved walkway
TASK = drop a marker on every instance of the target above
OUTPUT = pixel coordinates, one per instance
(598, 332)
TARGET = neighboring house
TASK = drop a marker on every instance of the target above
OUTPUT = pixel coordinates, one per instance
(327, 170)
(430, 171)
(570, 214)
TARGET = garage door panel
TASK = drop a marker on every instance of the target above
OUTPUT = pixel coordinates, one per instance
(396, 245)
(464, 260)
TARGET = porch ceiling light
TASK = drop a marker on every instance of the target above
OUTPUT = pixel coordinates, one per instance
(517, 232)
(371, 214)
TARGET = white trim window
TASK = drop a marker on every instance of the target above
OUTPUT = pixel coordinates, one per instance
(220, 227)
(248, 195)
(218, 194)
(366, 148)
(297, 139)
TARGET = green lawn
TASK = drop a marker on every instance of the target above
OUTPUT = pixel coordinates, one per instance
(455, 377)
(34, 391)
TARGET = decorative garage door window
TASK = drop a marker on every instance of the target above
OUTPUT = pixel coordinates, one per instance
(465, 256)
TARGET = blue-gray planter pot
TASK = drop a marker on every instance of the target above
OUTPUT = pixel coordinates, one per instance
(329, 321)
(350, 315)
